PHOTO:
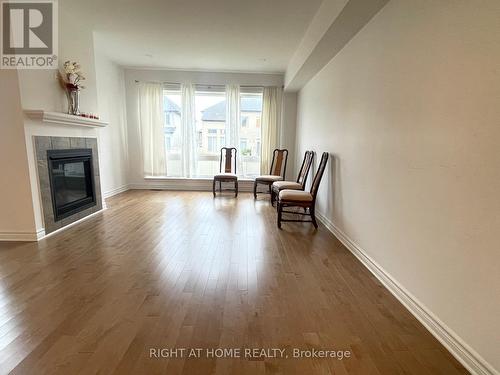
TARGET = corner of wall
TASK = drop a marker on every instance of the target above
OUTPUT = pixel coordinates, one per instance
(16, 215)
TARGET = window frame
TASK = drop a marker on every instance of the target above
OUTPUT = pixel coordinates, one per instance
(219, 136)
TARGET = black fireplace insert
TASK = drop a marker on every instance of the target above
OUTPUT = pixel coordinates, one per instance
(71, 181)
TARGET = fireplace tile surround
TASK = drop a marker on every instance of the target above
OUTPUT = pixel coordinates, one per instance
(42, 145)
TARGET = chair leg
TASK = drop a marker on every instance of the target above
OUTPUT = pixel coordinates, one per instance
(255, 190)
(313, 216)
(213, 187)
(236, 188)
(272, 197)
(279, 207)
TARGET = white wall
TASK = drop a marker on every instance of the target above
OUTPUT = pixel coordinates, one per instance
(287, 136)
(16, 209)
(113, 147)
(136, 174)
(410, 110)
(40, 89)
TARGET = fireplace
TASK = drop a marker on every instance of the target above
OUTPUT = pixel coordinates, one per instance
(68, 178)
(71, 178)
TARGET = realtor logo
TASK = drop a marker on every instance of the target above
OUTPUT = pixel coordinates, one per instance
(29, 34)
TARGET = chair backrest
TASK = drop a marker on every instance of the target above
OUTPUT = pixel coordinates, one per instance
(319, 174)
(278, 165)
(228, 155)
(304, 169)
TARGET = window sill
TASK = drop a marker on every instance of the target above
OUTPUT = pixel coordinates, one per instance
(193, 179)
(185, 184)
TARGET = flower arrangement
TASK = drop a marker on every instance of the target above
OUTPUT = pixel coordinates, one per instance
(73, 76)
(71, 79)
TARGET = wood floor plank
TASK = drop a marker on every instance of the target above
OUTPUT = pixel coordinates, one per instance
(174, 270)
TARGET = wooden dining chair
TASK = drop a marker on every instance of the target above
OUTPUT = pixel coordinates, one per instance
(228, 156)
(304, 199)
(277, 172)
(299, 184)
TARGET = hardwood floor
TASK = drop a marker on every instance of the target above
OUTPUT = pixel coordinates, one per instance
(184, 270)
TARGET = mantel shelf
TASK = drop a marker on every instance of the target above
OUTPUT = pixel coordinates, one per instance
(63, 118)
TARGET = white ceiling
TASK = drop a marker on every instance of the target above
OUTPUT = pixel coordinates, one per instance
(223, 35)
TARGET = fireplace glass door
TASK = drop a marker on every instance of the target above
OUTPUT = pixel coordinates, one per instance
(71, 181)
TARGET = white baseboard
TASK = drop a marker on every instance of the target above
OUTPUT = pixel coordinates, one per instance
(115, 191)
(469, 358)
(22, 236)
(184, 184)
(40, 233)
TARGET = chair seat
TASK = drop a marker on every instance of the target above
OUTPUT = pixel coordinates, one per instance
(282, 185)
(268, 178)
(289, 195)
(225, 176)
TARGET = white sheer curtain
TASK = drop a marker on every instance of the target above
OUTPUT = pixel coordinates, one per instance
(272, 101)
(233, 115)
(188, 131)
(151, 125)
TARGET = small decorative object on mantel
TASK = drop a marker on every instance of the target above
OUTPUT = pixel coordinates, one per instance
(71, 79)
(89, 115)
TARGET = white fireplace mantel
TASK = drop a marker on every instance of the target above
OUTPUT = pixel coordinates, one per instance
(63, 118)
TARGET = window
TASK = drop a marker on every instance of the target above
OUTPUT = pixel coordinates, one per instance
(212, 144)
(199, 139)
(250, 133)
(210, 105)
(244, 147)
(170, 117)
(244, 121)
(216, 140)
(168, 142)
(210, 117)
